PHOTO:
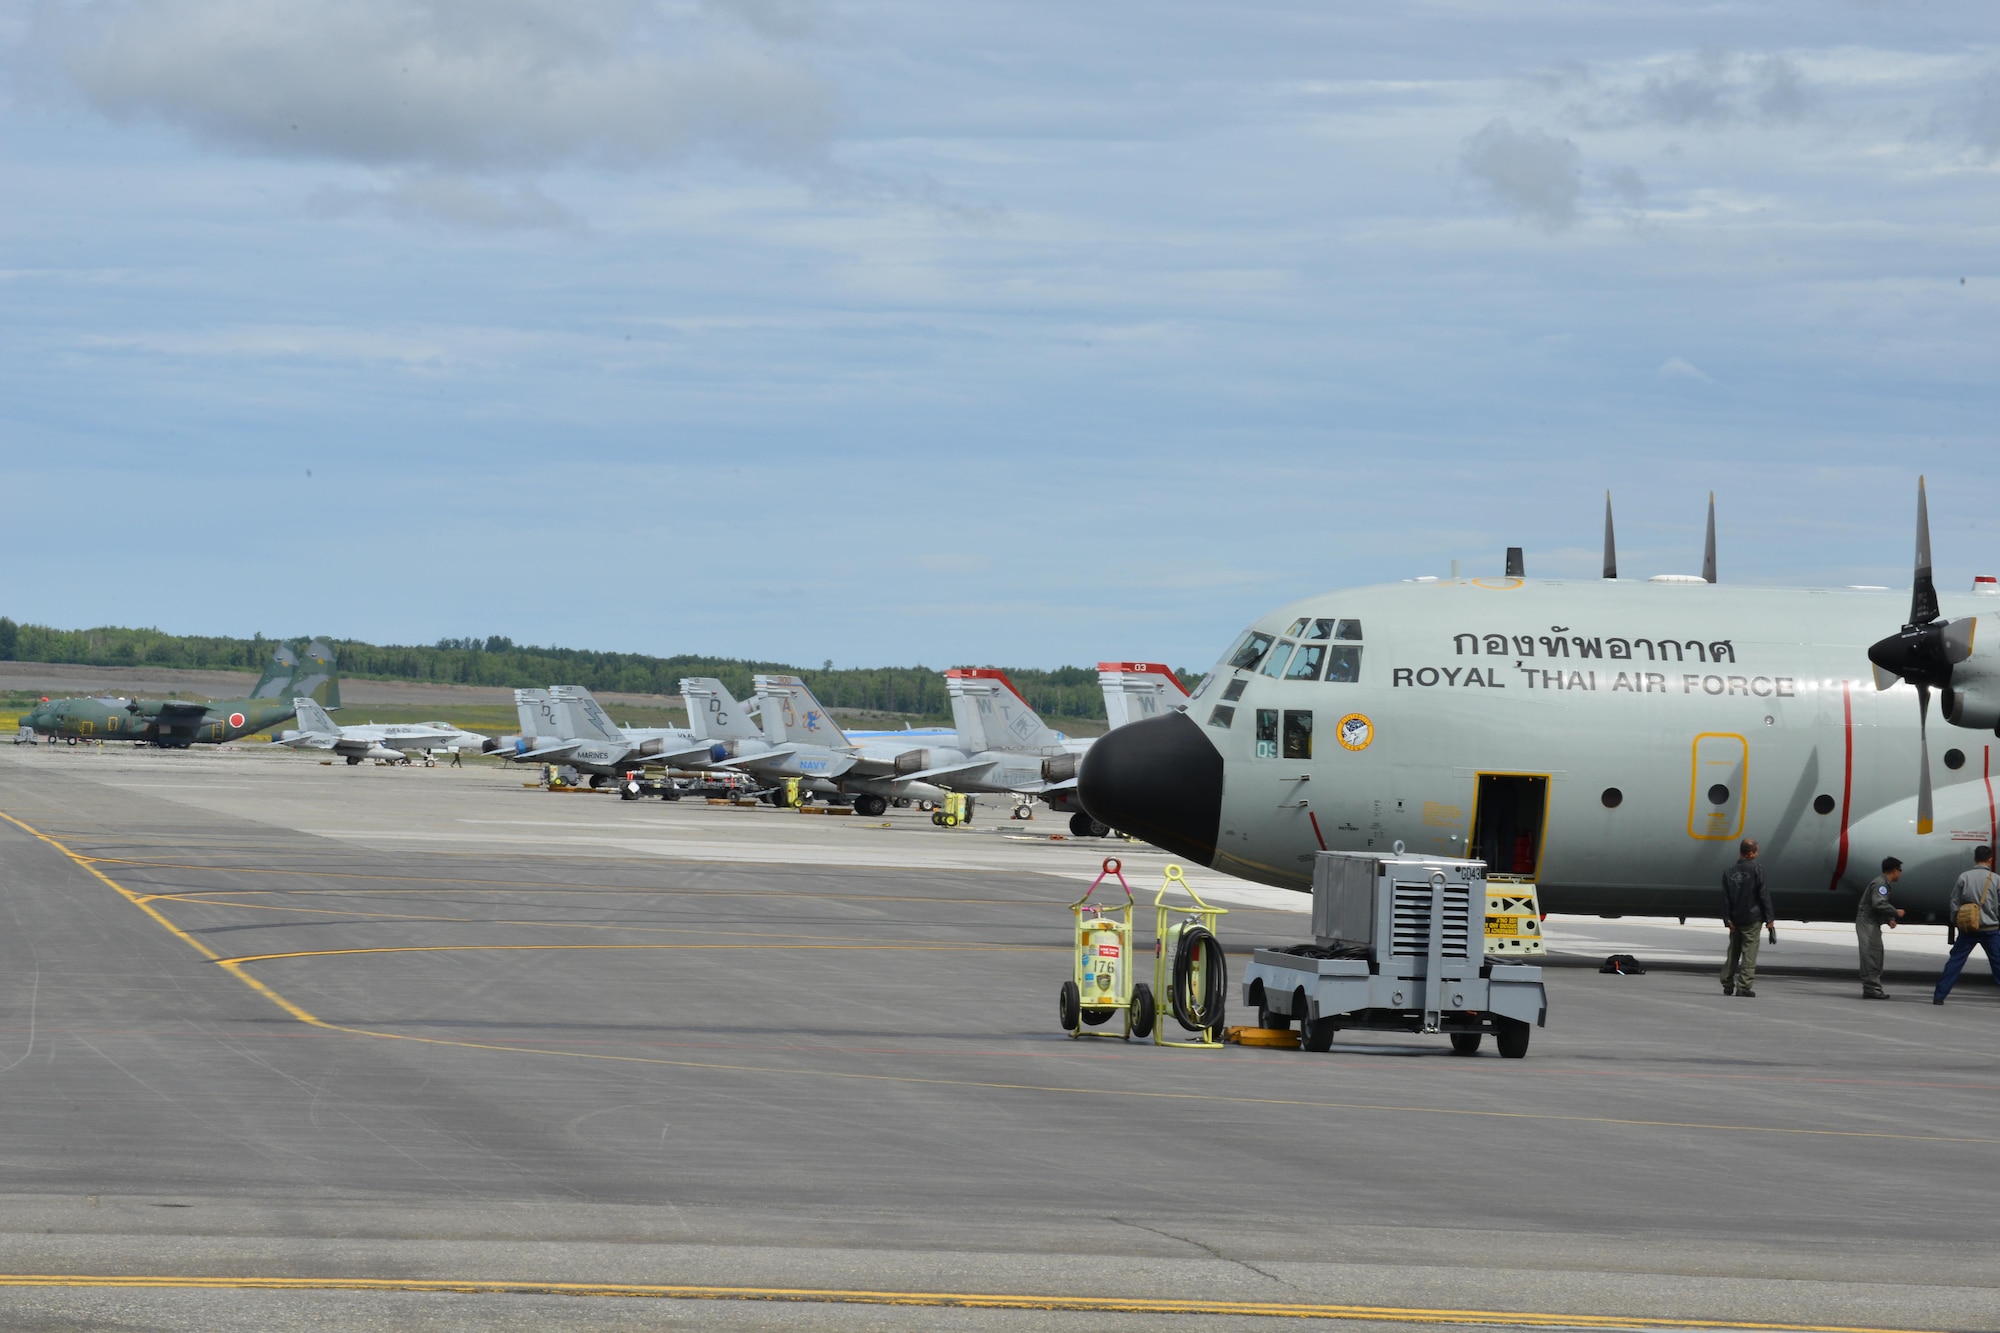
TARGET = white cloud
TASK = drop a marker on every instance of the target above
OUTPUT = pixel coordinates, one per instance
(498, 85)
(459, 200)
(1530, 174)
(1973, 118)
(1703, 90)
(1674, 368)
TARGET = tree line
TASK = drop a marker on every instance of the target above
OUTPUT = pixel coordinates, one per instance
(1063, 692)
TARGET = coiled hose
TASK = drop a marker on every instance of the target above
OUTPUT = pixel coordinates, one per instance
(1198, 1013)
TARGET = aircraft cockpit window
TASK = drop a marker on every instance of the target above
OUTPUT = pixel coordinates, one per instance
(1250, 651)
(1298, 628)
(1343, 664)
(1274, 665)
(1233, 690)
(1322, 629)
(1305, 662)
(1298, 734)
(1221, 716)
(1350, 630)
(1267, 733)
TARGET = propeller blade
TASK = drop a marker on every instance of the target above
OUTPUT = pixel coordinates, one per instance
(1884, 680)
(1708, 551)
(1923, 593)
(1958, 638)
(1923, 758)
(1610, 543)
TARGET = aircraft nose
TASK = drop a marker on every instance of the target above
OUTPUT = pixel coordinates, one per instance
(1159, 779)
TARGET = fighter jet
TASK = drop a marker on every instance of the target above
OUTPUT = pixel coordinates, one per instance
(564, 724)
(1609, 740)
(391, 741)
(801, 740)
(175, 724)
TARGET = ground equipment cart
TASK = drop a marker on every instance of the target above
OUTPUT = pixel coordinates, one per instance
(1398, 946)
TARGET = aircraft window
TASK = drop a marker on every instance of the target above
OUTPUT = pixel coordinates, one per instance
(1267, 733)
(1221, 716)
(1305, 662)
(1612, 798)
(1298, 628)
(1954, 759)
(1718, 795)
(1823, 804)
(1250, 651)
(1234, 690)
(1343, 664)
(1349, 630)
(1274, 665)
(1298, 734)
(1322, 629)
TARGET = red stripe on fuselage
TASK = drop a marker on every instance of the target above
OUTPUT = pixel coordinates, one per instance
(1846, 780)
(1316, 833)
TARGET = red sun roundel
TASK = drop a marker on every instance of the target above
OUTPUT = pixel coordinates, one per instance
(236, 719)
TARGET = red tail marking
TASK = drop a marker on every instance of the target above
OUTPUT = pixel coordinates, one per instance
(1846, 780)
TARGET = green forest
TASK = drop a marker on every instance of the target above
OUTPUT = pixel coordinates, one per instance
(1063, 692)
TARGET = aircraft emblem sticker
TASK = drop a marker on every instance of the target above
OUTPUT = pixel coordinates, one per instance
(236, 719)
(1355, 732)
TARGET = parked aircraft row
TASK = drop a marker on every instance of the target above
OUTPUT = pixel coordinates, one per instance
(998, 744)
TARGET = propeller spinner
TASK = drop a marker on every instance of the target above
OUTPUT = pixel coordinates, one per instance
(1922, 653)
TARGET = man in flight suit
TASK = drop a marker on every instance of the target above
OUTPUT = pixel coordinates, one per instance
(1746, 908)
(1873, 912)
(1981, 886)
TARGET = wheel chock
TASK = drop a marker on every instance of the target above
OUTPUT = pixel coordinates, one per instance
(1278, 1038)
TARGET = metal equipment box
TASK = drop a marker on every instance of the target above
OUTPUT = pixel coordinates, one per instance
(1399, 945)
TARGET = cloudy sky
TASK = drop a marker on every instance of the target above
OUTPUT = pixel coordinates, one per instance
(1033, 334)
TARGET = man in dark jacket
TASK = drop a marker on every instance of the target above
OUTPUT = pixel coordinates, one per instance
(1873, 912)
(1746, 908)
(1979, 888)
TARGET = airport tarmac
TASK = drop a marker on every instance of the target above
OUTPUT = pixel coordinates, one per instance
(287, 1044)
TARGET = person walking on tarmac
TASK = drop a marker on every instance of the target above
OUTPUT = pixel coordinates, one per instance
(1873, 912)
(1975, 911)
(1746, 906)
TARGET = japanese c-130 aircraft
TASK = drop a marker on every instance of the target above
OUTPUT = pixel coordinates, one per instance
(1609, 740)
(176, 724)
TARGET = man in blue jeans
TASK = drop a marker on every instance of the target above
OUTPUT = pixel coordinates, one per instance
(1977, 886)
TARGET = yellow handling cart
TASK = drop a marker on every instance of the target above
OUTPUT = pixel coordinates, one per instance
(1189, 967)
(956, 810)
(1100, 983)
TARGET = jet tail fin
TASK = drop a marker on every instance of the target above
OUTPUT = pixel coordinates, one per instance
(276, 682)
(532, 709)
(992, 715)
(714, 714)
(582, 717)
(1135, 690)
(313, 719)
(318, 677)
(791, 714)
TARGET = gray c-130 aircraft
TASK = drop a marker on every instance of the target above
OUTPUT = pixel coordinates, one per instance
(1609, 740)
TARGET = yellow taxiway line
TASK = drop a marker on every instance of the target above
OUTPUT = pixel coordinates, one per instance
(932, 1299)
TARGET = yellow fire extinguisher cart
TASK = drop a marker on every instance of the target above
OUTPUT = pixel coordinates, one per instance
(1100, 984)
(1189, 968)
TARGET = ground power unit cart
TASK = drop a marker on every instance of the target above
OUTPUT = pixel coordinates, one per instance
(1399, 945)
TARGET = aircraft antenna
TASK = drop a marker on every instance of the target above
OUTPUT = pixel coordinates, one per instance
(1516, 567)
(1610, 543)
(1708, 551)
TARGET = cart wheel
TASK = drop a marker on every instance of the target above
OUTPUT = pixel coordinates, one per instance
(1465, 1043)
(951, 821)
(1276, 1022)
(1314, 1035)
(1512, 1038)
(1068, 1006)
(1144, 1011)
(1098, 1017)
